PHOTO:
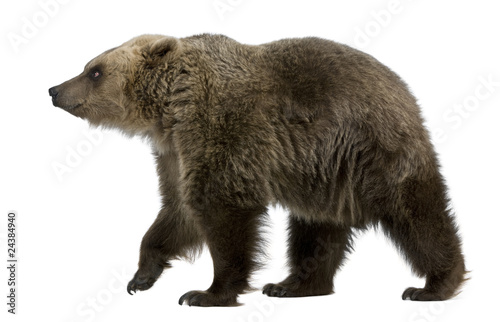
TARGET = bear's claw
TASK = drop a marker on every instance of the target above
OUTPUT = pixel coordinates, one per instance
(139, 284)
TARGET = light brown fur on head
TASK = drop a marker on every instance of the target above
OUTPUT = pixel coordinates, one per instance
(103, 92)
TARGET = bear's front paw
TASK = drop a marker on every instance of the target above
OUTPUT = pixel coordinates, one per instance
(139, 284)
(276, 290)
(144, 279)
(421, 294)
(205, 298)
(295, 289)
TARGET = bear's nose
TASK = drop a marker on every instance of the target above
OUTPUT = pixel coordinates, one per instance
(53, 92)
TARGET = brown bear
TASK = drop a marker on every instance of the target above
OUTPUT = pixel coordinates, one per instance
(318, 127)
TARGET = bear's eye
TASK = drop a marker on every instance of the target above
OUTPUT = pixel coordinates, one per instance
(95, 74)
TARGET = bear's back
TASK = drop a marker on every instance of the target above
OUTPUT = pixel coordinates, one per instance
(307, 80)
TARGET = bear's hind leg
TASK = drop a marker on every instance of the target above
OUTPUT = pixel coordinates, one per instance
(426, 234)
(315, 252)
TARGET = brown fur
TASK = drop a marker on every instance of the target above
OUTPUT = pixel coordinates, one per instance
(316, 126)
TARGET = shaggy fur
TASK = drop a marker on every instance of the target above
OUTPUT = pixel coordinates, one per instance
(318, 127)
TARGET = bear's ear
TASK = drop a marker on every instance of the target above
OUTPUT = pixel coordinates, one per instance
(166, 47)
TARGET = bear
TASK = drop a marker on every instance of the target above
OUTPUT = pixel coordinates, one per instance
(320, 128)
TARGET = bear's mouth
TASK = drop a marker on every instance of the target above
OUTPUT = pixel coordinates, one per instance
(72, 107)
(69, 108)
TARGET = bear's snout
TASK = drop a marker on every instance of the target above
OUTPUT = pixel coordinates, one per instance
(53, 92)
(61, 98)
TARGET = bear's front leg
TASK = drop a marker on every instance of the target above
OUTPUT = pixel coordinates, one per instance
(172, 235)
(233, 240)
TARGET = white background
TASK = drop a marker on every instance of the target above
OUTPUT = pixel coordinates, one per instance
(79, 233)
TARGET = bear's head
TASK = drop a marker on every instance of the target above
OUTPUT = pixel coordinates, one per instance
(124, 87)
